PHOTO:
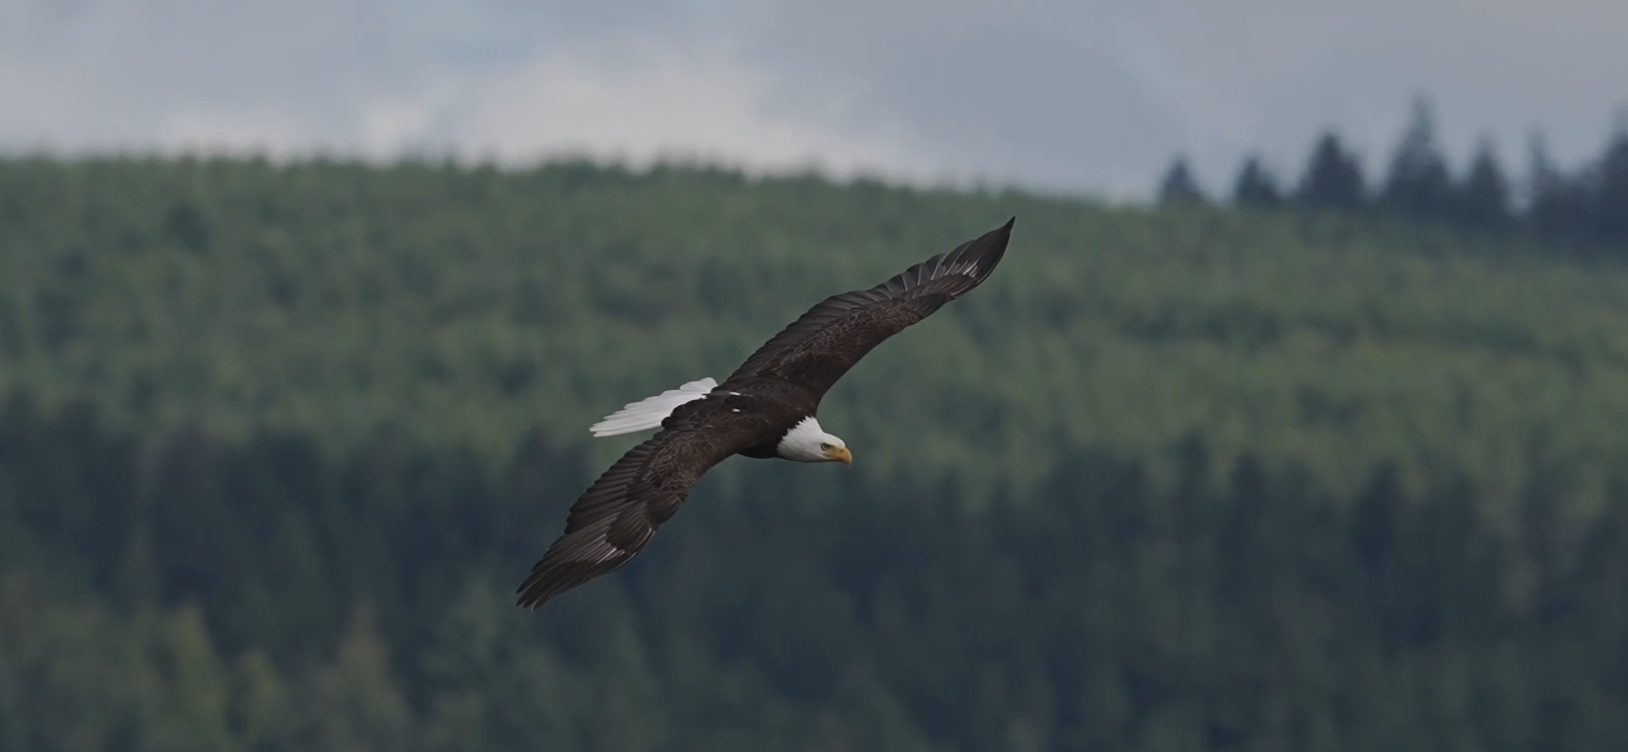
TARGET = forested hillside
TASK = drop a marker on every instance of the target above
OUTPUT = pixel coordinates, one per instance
(468, 306)
(278, 442)
(193, 595)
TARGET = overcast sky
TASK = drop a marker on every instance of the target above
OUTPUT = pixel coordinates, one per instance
(1085, 96)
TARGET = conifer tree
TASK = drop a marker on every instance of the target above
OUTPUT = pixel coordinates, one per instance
(1333, 178)
(1482, 198)
(1419, 184)
(1256, 186)
(1609, 204)
(1179, 187)
(1556, 203)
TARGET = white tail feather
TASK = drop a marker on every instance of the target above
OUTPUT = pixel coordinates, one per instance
(651, 411)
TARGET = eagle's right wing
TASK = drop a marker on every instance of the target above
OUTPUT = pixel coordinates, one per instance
(614, 519)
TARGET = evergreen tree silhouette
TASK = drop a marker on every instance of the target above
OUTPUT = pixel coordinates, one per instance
(1256, 186)
(1482, 198)
(1556, 203)
(1609, 204)
(1333, 177)
(1418, 185)
(1179, 187)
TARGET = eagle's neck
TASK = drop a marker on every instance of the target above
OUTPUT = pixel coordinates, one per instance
(806, 442)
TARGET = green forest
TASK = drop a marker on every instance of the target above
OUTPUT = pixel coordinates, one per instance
(277, 442)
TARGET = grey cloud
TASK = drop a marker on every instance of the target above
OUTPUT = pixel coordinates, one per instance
(1095, 95)
(1106, 92)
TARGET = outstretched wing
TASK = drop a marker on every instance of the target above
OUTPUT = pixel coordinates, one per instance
(821, 345)
(614, 519)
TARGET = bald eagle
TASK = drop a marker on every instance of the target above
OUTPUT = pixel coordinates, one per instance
(765, 409)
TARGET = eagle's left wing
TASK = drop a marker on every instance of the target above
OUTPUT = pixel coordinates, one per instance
(821, 345)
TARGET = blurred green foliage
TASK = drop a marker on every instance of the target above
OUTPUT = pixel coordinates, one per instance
(191, 594)
(464, 306)
(285, 437)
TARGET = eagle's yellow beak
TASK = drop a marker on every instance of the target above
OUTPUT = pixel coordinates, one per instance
(840, 454)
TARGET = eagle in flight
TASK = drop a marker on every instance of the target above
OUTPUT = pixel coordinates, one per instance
(765, 409)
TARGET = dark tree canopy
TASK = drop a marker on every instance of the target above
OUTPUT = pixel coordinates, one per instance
(1586, 208)
(1556, 202)
(1256, 186)
(1333, 177)
(1482, 199)
(1610, 204)
(340, 406)
(1418, 184)
(201, 596)
(1179, 186)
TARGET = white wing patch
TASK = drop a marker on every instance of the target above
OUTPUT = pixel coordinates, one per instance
(649, 412)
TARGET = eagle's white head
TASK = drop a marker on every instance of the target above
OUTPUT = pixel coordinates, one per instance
(807, 442)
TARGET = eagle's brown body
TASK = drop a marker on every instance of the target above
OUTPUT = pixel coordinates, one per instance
(750, 413)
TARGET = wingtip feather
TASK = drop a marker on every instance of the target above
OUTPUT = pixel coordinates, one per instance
(978, 257)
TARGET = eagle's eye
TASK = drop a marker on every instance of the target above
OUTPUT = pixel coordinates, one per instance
(824, 447)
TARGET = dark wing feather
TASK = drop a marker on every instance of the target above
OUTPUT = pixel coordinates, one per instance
(614, 519)
(821, 345)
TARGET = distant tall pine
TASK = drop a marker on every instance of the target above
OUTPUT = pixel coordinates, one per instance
(1610, 205)
(1333, 177)
(1418, 185)
(1482, 199)
(1256, 186)
(1179, 187)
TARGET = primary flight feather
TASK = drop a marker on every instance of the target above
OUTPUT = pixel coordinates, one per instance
(765, 409)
